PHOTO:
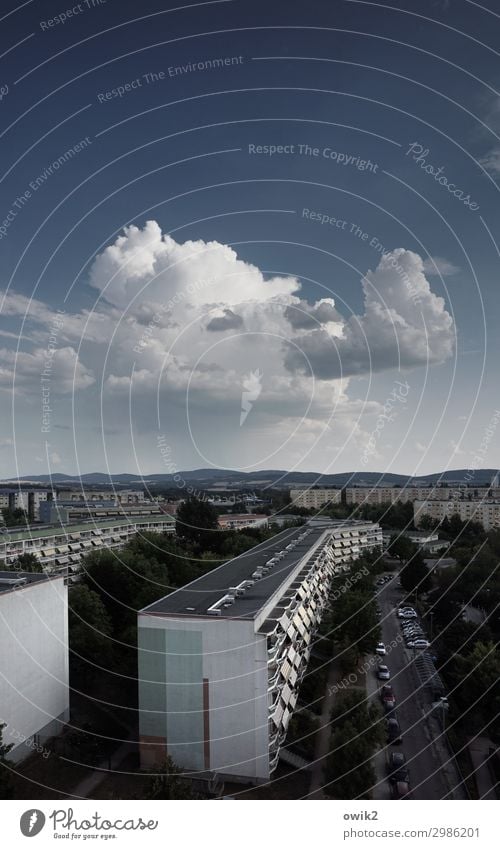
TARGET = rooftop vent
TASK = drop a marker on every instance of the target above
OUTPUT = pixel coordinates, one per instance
(226, 601)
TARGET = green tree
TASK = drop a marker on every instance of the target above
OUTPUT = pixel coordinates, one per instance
(14, 518)
(401, 547)
(427, 523)
(168, 783)
(195, 520)
(415, 576)
(351, 706)
(6, 788)
(90, 628)
(168, 553)
(349, 773)
(126, 582)
(477, 693)
(354, 621)
(28, 563)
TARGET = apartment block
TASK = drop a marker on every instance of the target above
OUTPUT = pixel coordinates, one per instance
(391, 495)
(60, 548)
(222, 659)
(119, 496)
(487, 513)
(314, 498)
(23, 499)
(34, 686)
(74, 511)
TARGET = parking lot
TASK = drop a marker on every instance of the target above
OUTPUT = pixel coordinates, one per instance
(431, 777)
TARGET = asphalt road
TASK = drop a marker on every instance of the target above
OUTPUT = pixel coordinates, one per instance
(428, 778)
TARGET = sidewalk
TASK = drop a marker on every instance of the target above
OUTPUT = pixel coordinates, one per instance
(323, 736)
(322, 749)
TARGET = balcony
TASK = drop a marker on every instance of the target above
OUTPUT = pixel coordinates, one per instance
(273, 761)
(274, 704)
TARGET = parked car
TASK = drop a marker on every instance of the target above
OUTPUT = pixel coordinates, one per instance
(397, 768)
(385, 691)
(380, 649)
(418, 644)
(414, 635)
(393, 731)
(383, 672)
(400, 790)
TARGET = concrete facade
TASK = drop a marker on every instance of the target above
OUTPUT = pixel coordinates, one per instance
(60, 548)
(222, 659)
(314, 498)
(34, 684)
(487, 513)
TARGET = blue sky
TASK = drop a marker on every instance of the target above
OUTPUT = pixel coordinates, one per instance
(354, 306)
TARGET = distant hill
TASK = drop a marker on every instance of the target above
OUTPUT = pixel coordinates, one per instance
(262, 479)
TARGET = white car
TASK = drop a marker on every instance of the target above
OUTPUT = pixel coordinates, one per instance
(383, 672)
(407, 614)
(380, 649)
(418, 644)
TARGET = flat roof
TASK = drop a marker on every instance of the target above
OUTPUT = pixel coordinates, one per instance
(9, 579)
(54, 530)
(195, 598)
(228, 516)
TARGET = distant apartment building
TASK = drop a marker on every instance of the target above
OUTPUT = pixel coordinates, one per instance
(384, 494)
(24, 499)
(222, 659)
(34, 687)
(60, 548)
(75, 511)
(377, 495)
(314, 498)
(118, 496)
(487, 513)
(236, 521)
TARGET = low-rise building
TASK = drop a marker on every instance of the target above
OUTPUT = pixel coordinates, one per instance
(282, 519)
(34, 686)
(313, 499)
(428, 540)
(236, 521)
(222, 659)
(418, 537)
